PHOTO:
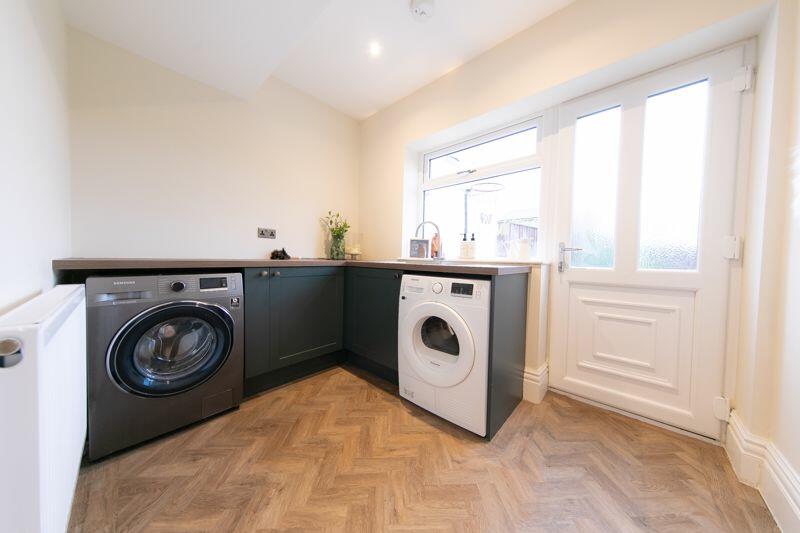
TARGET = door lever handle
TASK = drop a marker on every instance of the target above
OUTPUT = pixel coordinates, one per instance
(562, 255)
(563, 248)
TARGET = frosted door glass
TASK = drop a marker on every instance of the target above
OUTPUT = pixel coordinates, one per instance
(672, 177)
(594, 188)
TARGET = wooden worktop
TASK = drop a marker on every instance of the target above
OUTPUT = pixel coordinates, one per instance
(452, 267)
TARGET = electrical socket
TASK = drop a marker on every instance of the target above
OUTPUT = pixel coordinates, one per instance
(267, 233)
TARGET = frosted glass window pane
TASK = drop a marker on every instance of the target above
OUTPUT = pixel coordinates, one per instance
(672, 177)
(594, 188)
(508, 148)
(502, 212)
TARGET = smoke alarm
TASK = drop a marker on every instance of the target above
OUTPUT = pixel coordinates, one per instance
(422, 10)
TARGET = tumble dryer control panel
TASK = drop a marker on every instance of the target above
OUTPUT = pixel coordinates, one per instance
(443, 289)
(465, 290)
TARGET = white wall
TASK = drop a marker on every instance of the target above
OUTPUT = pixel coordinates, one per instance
(34, 156)
(595, 43)
(787, 420)
(765, 234)
(764, 434)
(167, 167)
(786, 426)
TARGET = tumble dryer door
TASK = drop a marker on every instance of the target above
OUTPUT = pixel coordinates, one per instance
(437, 344)
(170, 348)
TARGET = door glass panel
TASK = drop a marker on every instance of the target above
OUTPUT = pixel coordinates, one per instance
(438, 335)
(672, 177)
(174, 348)
(594, 188)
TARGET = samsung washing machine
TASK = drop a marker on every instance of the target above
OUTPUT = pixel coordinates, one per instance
(443, 347)
(163, 352)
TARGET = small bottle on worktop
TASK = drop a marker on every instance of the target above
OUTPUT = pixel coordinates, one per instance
(463, 248)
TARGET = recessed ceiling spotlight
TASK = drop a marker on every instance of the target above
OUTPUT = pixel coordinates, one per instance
(375, 49)
(422, 10)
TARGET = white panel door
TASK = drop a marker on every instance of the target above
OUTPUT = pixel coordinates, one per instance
(647, 187)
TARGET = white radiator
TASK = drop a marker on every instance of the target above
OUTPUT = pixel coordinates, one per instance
(42, 409)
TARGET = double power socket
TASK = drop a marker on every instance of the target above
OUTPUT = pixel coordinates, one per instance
(267, 233)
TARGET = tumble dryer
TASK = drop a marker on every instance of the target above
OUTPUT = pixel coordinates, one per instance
(443, 347)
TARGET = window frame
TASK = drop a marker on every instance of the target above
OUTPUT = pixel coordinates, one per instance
(537, 160)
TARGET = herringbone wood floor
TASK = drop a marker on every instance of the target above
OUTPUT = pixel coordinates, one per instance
(339, 451)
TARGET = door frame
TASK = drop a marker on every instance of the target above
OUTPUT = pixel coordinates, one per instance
(555, 173)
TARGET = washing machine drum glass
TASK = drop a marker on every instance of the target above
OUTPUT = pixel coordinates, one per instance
(171, 349)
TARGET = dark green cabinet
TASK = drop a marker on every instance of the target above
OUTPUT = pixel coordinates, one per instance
(292, 315)
(371, 307)
(306, 307)
(256, 316)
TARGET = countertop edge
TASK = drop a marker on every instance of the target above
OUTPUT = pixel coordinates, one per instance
(91, 264)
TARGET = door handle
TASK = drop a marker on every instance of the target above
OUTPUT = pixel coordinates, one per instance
(562, 255)
(264, 273)
(277, 274)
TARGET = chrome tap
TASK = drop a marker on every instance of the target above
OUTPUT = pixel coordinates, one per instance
(438, 255)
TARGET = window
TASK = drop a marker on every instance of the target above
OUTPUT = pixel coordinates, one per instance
(488, 187)
(507, 148)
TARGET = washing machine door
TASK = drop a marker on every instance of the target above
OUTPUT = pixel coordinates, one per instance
(437, 344)
(170, 348)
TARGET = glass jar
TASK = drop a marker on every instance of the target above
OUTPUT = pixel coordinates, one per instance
(336, 249)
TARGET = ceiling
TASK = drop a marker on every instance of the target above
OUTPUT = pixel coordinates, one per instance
(322, 47)
(233, 45)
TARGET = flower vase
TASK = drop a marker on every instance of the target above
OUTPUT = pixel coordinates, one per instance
(336, 250)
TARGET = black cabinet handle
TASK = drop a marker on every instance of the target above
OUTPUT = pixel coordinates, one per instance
(264, 273)
(397, 276)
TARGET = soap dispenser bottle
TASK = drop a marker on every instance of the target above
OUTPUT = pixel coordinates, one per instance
(463, 248)
(472, 246)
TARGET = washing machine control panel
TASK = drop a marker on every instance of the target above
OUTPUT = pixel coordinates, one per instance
(194, 284)
(129, 290)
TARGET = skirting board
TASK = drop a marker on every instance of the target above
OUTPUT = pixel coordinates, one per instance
(535, 384)
(758, 463)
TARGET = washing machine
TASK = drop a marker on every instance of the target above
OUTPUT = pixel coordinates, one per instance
(162, 352)
(443, 347)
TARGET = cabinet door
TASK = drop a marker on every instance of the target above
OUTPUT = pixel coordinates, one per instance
(372, 305)
(306, 307)
(256, 316)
